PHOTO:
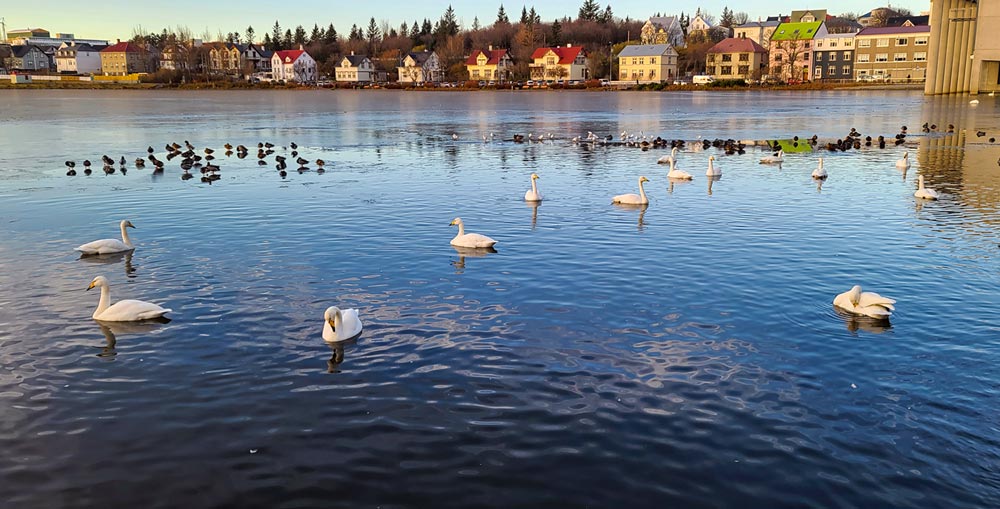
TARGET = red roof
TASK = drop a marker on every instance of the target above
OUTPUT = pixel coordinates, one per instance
(566, 55)
(737, 45)
(494, 56)
(126, 47)
(289, 55)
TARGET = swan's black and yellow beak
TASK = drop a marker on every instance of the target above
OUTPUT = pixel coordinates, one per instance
(91, 285)
(333, 324)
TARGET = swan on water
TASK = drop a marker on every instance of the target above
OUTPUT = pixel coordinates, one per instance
(533, 194)
(633, 199)
(106, 246)
(469, 239)
(864, 303)
(712, 171)
(775, 158)
(922, 192)
(676, 174)
(123, 310)
(819, 173)
(903, 163)
(340, 324)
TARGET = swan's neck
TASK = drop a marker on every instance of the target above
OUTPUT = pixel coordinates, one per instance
(534, 187)
(338, 319)
(642, 192)
(711, 166)
(105, 301)
(920, 182)
(461, 229)
(125, 239)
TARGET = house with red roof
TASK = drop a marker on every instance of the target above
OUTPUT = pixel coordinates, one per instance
(560, 63)
(736, 58)
(491, 65)
(293, 65)
(124, 58)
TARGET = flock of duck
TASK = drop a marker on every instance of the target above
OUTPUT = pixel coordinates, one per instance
(344, 324)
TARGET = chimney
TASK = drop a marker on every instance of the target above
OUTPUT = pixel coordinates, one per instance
(119, 41)
(490, 47)
(352, 53)
(569, 45)
(301, 48)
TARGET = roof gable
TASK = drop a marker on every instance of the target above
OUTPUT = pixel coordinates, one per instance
(796, 31)
(493, 57)
(289, 55)
(566, 55)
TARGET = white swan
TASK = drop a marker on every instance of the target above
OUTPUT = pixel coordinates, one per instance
(667, 159)
(106, 246)
(533, 194)
(903, 163)
(633, 199)
(712, 171)
(676, 174)
(819, 173)
(123, 310)
(864, 303)
(340, 324)
(469, 239)
(925, 193)
(776, 158)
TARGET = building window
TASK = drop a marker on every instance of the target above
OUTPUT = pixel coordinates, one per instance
(744, 70)
(865, 43)
(920, 56)
(833, 44)
(881, 57)
(807, 44)
(883, 43)
(920, 41)
(727, 57)
(833, 57)
(642, 73)
(744, 57)
(727, 70)
(899, 57)
(652, 60)
(846, 70)
(819, 57)
(819, 72)
(805, 56)
(819, 44)
(864, 57)
(831, 70)
(711, 58)
(777, 57)
(901, 41)
(642, 61)
(847, 56)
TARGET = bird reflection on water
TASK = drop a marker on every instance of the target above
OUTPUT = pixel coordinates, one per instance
(112, 330)
(112, 258)
(471, 252)
(857, 323)
(533, 205)
(337, 357)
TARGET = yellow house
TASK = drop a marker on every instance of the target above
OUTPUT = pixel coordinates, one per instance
(126, 58)
(492, 64)
(647, 63)
(736, 58)
(557, 63)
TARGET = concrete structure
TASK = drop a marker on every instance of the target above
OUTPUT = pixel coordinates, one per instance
(127, 58)
(790, 50)
(736, 58)
(21, 33)
(420, 67)
(647, 63)
(293, 65)
(964, 54)
(757, 31)
(662, 30)
(833, 57)
(355, 68)
(74, 58)
(559, 63)
(897, 54)
(492, 64)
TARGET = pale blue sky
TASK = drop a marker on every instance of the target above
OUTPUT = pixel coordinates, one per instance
(112, 19)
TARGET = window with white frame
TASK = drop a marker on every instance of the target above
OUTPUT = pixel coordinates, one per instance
(902, 41)
(883, 43)
(881, 57)
(833, 44)
(865, 43)
(920, 41)
(819, 72)
(833, 56)
(899, 57)
(920, 56)
(864, 57)
(847, 56)
(831, 70)
(846, 70)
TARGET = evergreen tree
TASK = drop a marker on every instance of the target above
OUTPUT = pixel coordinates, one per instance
(330, 36)
(449, 23)
(426, 28)
(415, 30)
(727, 18)
(392, 34)
(373, 34)
(589, 10)
(502, 17)
(404, 29)
(299, 37)
(534, 17)
(524, 16)
(250, 35)
(276, 36)
(316, 35)
(267, 42)
(475, 24)
(607, 16)
(286, 41)
(356, 34)
(555, 39)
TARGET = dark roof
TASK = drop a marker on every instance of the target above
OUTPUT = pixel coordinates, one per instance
(897, 21)
(355, 59)
(5, 51)
(737, 45)
(21, 50)
(420, 57)
(894, 30)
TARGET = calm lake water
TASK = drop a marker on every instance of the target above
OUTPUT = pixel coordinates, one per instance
(683, 355)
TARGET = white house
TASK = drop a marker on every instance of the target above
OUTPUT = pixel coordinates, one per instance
(698, 24)
(78, 58)
(662, 30)
(293, 65)
(356, 68)
(420, 66)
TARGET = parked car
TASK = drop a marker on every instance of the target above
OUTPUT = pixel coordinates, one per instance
(530, 83)
(605, 83)
(682, 81)
(702, 79)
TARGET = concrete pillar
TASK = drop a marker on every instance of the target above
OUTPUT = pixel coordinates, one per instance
(931, 86)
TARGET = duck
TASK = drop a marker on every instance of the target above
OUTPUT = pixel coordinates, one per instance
(924, 193)
(106, 246)
(454, 136)
(469, 239)
(123, 310)
(869, 304)
(633, 199)
(533, 194)
(712, 171)
(775, 158)
(676, 174)
(341, 324)
(904, 162)
(819, 173)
